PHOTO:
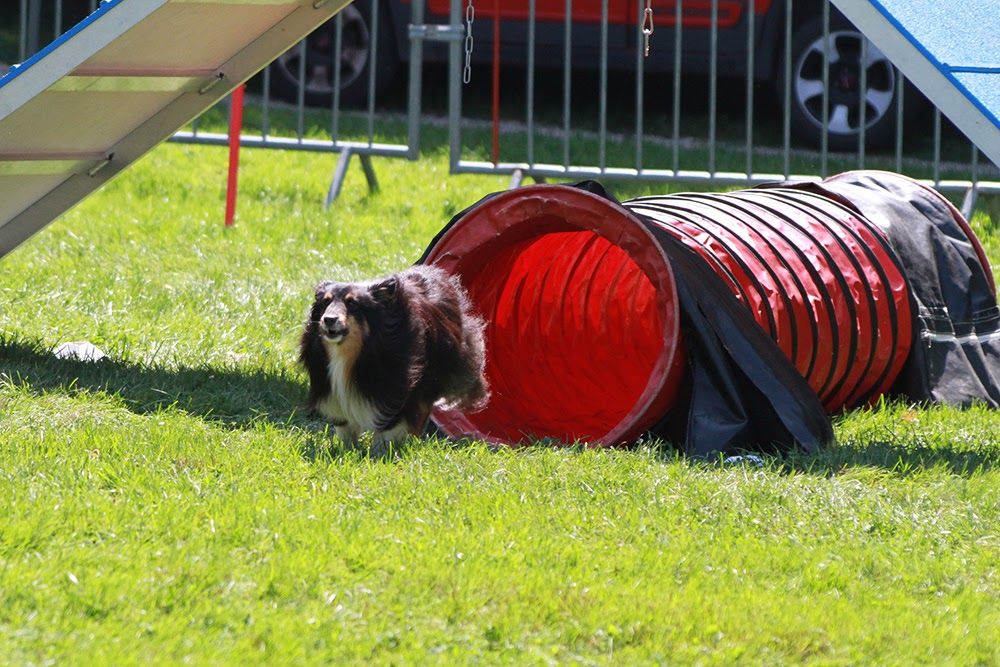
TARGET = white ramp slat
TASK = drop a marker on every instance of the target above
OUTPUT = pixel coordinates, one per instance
(949, 50)
(123, 80)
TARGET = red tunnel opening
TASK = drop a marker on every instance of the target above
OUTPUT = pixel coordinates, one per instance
(582, 318)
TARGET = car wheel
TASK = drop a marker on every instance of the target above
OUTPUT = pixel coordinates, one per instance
(843, 50)
(355, 60)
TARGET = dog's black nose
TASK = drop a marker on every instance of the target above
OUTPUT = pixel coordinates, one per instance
(334, 326)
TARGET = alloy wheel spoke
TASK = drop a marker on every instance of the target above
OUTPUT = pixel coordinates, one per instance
(807, 89)
(879, 100)
(839, 120)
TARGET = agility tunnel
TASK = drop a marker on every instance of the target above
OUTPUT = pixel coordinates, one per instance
(584, 325)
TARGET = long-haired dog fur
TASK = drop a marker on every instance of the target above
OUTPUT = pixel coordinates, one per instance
(381, 354)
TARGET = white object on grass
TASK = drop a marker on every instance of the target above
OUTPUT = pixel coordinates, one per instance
(80, 350)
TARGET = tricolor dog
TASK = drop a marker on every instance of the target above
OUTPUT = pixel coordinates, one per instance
(381, 354)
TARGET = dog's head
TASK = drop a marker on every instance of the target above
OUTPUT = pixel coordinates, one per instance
(347, 313)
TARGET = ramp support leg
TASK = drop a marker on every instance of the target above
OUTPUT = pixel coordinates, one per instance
(340, 173)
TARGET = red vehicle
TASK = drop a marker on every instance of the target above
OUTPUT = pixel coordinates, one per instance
(844, 53)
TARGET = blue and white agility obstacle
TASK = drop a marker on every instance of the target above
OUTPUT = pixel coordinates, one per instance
(949, 50)
(126, 78)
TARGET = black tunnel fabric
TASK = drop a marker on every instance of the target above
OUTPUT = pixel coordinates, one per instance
(955, 358)
(744, 393)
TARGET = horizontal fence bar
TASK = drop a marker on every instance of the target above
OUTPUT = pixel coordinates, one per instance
(681, 176)
(294, 143)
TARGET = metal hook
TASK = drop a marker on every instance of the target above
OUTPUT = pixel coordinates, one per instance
(647, 25)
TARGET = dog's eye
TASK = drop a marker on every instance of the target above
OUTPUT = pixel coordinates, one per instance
(352, 305)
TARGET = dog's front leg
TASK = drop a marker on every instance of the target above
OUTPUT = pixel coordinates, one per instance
(417, 426)
(347, 434)
(383, 441)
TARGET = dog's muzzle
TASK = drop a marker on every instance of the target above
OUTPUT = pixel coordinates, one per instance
(333, 328)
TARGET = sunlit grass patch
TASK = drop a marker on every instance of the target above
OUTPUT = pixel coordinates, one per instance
(174, 502)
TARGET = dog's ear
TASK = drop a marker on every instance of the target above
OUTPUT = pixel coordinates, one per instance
(385, 291)
(324, 288)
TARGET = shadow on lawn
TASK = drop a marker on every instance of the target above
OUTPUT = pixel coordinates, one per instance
(240, 399)
(897, 458)
(235, 398)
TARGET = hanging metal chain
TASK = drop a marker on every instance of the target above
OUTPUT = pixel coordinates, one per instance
(470, 16)
(647, 25)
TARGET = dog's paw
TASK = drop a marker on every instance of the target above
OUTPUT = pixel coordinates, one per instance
(389, 444)
(348, 436)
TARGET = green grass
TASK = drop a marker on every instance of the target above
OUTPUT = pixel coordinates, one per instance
(174, 504)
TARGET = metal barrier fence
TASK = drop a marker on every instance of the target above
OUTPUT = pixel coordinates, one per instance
(307, 61)
(786, 89)
(829, 88)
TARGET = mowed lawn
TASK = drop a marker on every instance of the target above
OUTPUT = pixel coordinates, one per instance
(173, 503)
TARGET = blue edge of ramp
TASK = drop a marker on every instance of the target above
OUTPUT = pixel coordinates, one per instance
(20, 68)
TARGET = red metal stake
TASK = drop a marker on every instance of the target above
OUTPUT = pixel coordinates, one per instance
(235, 127)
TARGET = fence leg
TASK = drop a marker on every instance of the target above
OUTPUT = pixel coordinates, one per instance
(340, 173)
(969, 202)
(517, 178)
(338, 176)
(366, 166)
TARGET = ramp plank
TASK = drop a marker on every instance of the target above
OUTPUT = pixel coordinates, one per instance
(121, 81)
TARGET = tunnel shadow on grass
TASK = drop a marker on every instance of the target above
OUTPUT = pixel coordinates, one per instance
(902, 459)
(898, 458)
(234, 398)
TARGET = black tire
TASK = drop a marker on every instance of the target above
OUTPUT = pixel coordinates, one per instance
(355, 61)
(844, 98)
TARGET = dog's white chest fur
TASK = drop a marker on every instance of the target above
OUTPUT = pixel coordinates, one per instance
(344, 403)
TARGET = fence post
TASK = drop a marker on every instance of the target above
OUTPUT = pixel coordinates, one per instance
(455, 91)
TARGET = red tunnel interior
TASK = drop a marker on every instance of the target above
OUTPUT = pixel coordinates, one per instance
(582, 333)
